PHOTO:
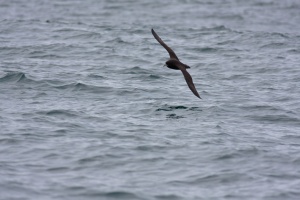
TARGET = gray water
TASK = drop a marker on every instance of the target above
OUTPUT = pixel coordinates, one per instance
(89, 112)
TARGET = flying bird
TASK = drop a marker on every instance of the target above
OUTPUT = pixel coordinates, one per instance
(174, 63)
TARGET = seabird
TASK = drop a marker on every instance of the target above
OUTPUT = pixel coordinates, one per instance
(174, 63)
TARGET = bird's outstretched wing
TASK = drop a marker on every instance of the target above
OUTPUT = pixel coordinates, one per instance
(170, 51)
(189, 80)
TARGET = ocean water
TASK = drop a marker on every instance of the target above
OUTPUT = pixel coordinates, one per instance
(89, 112)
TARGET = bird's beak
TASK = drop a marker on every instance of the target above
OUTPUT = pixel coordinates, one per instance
(165, 65)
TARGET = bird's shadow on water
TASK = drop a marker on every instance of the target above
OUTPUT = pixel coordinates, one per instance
(176, 112)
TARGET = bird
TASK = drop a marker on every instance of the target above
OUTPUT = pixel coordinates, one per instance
(174, 63)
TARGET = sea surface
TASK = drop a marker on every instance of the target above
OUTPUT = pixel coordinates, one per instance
(87, 110)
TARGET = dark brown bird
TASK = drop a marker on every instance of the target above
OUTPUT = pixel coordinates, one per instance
(174, 63)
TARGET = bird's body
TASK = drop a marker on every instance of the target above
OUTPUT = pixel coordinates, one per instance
(174, 63)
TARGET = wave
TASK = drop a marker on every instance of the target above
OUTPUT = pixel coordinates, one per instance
(84, 87)
(20, 77)
(15, 77)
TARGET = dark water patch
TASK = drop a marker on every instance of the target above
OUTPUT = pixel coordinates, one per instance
(150, 148)
(280, 57)
(168, 197)
(51, 156)
(296, 160)
(195, 109)
(240, 153)
(116, 194)
(76, 188)
(92, 159)
(62, 30)
(60, 131)
(294, 51)
(60, 112)
(153, 159)
(174, 116)
(121, 195)
(226, 156)
(58, 169)
(151, 76)
(171, 108)
(263, 3)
